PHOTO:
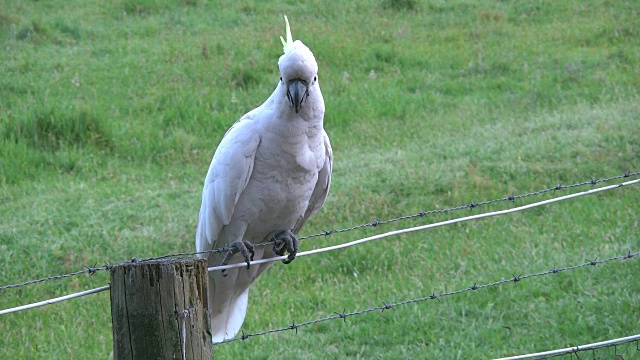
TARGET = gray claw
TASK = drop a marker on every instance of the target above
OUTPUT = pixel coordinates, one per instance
(244, 247)
(286, 241)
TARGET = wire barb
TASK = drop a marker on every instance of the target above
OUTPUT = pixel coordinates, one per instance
(91, 270)
(294, 327)
(343, 315)
(244, 336)
(516, 278)
(388, 306)
(328, 232)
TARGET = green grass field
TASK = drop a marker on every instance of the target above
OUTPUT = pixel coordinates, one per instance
(110, 113)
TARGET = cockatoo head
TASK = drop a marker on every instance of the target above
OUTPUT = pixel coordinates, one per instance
(298, 70)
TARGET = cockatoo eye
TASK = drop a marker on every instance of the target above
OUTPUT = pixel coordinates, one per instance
(280, 78)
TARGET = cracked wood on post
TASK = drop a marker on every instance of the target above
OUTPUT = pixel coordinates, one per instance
(158, 310)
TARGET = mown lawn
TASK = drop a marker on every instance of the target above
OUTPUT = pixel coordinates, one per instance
(110, 113)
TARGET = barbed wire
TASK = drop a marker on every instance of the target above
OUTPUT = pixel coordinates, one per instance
(364, 240)
(429, 226)
(602, 346)
(88, 270)
(374, 223)
(434, 296)
(512, 198)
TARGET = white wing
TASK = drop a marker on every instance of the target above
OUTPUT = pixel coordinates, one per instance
(321, 190)
(228, 175)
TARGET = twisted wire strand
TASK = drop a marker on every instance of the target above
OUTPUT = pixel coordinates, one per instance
(360, 241)
(434, 296)
(588, 347)
(430, 226)
(374, 223)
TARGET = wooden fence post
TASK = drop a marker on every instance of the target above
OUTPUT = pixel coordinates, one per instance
(158, 310)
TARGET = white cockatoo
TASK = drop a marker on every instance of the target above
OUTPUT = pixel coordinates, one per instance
(269, 174)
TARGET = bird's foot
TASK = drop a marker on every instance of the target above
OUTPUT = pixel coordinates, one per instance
(286, 241)
(243, 247)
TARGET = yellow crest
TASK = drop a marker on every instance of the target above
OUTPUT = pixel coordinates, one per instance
(289, 43)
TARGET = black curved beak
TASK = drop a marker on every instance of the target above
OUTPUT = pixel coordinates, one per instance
(297, 92)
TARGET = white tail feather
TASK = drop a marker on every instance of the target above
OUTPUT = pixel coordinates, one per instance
(227, 308)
